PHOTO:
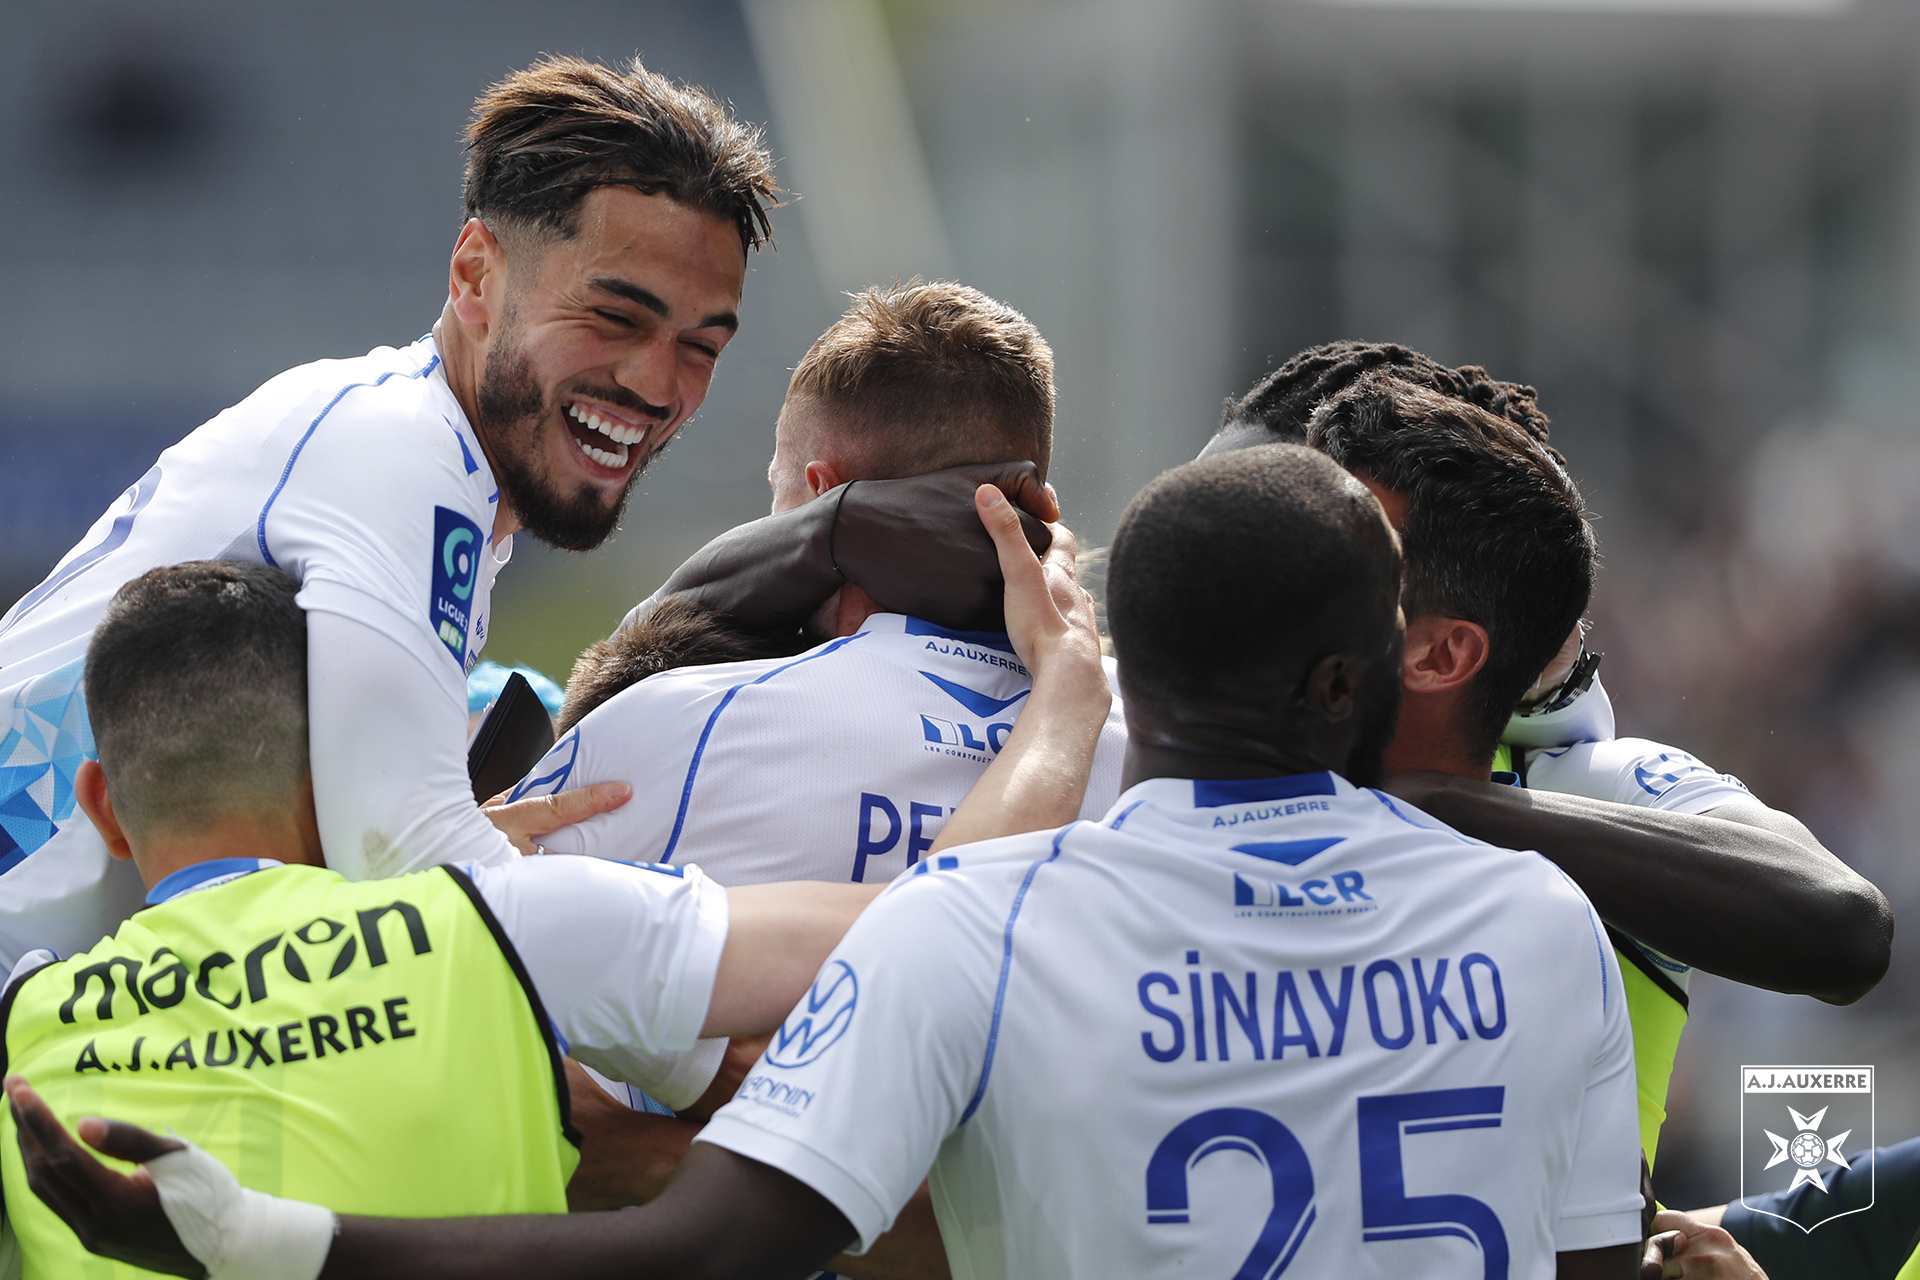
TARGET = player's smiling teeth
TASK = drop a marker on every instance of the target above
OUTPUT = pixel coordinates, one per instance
(615, 458)
(614, 431)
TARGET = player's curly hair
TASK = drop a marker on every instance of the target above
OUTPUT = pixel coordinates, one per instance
(1283, 402)
(545, 136)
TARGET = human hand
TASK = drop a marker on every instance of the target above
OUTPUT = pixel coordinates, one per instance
(115, 1215)
(1039, 778)
(1050, 618)
(916, 547)
(525, 822)
(627, 1157)
(1688, 1249)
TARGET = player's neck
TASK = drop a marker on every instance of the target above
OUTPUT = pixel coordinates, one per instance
(462, 363)
(279, 836)
(1148, 760)
(1428, 737)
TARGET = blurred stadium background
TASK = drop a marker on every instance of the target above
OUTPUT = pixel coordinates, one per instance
(1693, 224)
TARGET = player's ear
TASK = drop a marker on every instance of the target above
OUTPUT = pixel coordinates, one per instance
(477, 276)
(1331, 685)
(1442, 653)
(90, 792)
(822, 476)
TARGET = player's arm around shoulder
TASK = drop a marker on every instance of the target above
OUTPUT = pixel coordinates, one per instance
(1837, 903)
(1684, 860)
(1767, 868)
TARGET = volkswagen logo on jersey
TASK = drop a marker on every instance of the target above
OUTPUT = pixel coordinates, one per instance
(456, 567)
(1799, 1127)
(819, 1020)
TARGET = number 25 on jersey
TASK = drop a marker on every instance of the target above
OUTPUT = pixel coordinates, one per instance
(1387, 1211)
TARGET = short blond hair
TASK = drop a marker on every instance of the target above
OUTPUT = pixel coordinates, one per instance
(922, 376)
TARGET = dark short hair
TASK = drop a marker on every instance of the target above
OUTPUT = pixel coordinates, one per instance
(924, 376)
(544, 137)
(678, 632)
(196, 689)
(1283, 402)
(1222, 567)
(1495, 532)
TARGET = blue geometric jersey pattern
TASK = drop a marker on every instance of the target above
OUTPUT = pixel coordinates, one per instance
(47, 738)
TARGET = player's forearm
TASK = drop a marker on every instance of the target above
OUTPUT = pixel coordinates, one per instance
(914, 545)
(778, 936)
(774, 572)
(600, 1246)
(1729, 897)
(388, 753)
(724, 1218)
(628, 1160)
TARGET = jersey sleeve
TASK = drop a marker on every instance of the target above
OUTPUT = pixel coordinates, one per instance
(624, 957)
(387, 745)
(1602, 1202)
(1634, 771)
(647, 736)
(856, 1093)
(380, 517)
(676, 1079)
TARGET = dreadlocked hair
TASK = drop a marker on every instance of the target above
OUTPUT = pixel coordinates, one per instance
(1284, 401)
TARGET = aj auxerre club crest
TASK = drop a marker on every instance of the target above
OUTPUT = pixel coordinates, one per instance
(1801, 1127)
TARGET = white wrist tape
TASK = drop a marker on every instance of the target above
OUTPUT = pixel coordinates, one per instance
(237, 1233)
(1588, 718)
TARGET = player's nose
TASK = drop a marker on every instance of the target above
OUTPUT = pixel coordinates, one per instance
(652, 372)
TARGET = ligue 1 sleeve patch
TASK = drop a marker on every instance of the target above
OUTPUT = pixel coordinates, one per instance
(456, 568)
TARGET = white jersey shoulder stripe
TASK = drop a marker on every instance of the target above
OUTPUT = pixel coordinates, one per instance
(556, 780)
(1006, 972)
(706, 732)
(260, 529)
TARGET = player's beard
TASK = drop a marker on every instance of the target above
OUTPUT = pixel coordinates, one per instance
(1379, 706)
(513, 414)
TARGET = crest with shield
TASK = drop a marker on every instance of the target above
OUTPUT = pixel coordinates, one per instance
(1800, 1129)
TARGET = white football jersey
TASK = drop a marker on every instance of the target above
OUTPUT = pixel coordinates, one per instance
(1636, 771)
(838, 764)
(360, 477)
(1236, 1028)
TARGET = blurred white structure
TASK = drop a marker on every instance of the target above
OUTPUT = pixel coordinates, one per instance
(849, 145)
